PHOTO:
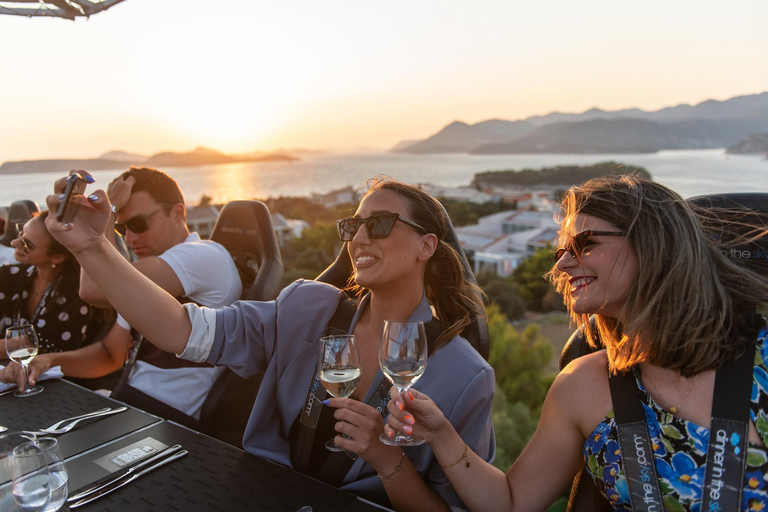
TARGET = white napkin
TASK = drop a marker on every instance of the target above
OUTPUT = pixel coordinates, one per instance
(52, 373)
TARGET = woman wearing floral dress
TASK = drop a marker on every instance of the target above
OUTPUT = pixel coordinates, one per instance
(671, 309)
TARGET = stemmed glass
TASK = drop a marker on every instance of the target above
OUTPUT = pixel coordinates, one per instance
(22, 345)
(340, 370)
(31, 477)
(403, 359)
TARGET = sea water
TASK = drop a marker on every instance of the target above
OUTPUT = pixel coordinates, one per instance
(689, 172)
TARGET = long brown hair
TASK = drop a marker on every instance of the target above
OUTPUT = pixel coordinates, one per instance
(456, 300)
(690, 308)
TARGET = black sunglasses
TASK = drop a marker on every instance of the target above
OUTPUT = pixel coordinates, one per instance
(579, 242)
(378, 226)
(138, 223)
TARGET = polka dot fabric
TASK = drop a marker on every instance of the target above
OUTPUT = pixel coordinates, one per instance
(63, 323)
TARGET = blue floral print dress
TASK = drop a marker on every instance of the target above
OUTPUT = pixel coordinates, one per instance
(680, 448)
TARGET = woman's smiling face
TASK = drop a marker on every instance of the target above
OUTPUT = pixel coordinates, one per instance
(602, 276)
(393, 259)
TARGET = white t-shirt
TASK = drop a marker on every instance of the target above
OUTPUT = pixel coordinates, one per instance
(209, 277)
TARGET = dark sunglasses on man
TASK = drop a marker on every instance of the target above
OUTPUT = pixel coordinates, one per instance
(378, 226)
(138, 223)
(579, 242)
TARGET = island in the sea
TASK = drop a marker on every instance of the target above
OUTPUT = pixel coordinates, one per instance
(117, 160)
(756, 144)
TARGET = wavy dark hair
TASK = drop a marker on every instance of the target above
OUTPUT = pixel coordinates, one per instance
(456, 300)
(690, 308)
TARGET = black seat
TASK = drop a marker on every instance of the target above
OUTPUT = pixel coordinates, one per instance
(245, 229)
(476, 333)
(18, 213)
(584, 495)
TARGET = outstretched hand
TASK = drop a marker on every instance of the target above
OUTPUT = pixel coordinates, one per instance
(414, 412)
(87, 227)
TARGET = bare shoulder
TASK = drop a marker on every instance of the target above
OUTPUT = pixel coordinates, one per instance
(582, 390)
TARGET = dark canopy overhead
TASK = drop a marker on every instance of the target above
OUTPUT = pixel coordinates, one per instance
(69, 9)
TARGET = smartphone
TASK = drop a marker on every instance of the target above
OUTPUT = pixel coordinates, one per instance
(67, 210)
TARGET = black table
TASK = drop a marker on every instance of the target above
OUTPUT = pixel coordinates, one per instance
(213, 476)
(61, 399)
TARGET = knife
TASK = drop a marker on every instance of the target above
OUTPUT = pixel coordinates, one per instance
(110, 479)
(120, 483)
(123, 473)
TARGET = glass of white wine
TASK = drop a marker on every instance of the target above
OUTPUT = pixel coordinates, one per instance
(22, 345)
(403, 359)
(339, 369)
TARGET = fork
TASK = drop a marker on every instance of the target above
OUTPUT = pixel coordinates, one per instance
(86, 415)
(64, 430)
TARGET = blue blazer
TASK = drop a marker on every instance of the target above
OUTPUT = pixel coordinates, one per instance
(280, 339)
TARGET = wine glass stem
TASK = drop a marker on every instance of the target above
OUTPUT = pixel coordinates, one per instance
(26, 376)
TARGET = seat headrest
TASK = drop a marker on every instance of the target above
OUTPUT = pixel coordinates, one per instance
(245, 229)
(748, 220)
(18, 213)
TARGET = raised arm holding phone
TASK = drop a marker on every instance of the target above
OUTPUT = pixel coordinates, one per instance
(401, 266)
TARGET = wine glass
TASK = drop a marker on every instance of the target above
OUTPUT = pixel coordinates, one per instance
(339, 369)
(403, 359)
(31, 477)
(21, 344)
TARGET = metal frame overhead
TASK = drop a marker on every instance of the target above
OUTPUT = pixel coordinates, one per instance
(67, 9)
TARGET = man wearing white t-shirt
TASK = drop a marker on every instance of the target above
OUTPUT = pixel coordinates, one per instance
(150, 211)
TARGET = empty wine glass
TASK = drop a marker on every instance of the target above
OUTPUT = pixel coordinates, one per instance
(403, 359)
(31, 478)
(22, 345)
(340, 370)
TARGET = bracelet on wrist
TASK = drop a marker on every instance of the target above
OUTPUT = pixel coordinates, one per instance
(397, 468)
(463, 457)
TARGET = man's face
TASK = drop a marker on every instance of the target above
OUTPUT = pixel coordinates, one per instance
(161, 220)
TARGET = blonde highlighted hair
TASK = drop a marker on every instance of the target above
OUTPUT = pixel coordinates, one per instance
(690, 307)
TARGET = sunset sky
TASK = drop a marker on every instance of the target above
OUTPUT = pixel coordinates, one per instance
(244, 75)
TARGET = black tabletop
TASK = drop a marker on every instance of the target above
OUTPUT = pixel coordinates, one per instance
(61, 399)
(213, 476)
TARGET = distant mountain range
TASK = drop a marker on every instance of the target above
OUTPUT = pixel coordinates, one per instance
(114, 160)
(710, 124)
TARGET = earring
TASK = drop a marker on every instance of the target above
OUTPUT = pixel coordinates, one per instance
(53, 266)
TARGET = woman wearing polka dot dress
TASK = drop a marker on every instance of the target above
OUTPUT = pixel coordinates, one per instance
(42, 290)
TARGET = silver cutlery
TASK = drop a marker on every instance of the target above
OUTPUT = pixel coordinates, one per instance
(125, 481)
(60, 423)
(124, 473)
(70, 426)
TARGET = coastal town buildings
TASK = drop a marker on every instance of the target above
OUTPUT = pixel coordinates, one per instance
(500, 242)
(203, 218)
